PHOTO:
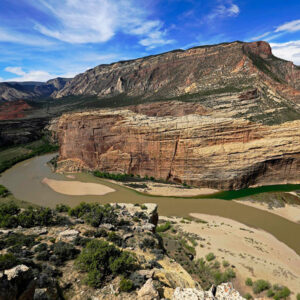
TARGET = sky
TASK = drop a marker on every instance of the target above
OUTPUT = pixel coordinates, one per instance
(43, 39)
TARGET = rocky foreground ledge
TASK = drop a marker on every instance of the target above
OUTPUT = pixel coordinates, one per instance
(54, 261)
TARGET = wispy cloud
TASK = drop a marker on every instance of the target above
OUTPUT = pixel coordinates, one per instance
(35, 75)
(289, 51)
(292, 26)
(98, 21)
(223, 10)
(10, 36)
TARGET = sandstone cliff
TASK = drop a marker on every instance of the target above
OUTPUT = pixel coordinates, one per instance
(201, 149)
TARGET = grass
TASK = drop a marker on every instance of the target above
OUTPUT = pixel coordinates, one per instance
(164, 227)
(13, 155)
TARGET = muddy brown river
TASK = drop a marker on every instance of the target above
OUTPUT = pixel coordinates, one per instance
(24, 181)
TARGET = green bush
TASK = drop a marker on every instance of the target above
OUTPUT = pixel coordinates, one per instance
(249, 282)
(163, 227)
(43, 255)
(225, 263)
(270, 293)
(298, 296)
(17, 239)
(115, 238)
(283, 293)
(31, 217)
(126, 285)
(7, 261)
(248, 296)
(41, 247)
(117, 177)
(210, 256)
(64, 251)
(101, 260)
(260, 286)
(62, 208)
(8, 212)
(95, 214)
(143, 206)
(3, 191)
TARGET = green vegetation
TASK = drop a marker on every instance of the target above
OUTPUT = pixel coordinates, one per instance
(17, 240)
(102, 260)
(164, 227)
(282, 293)
(3, 191)
(210, 256)
(225, 263)
(11, 156)
(270, 293)
(298, 296)
(117, 177)
(249, 282)
(62, 208)
(7, 261)
(11, 216)
(126, 285)
(260, 286)
(248, 296)
(63, 252)
(95, 214)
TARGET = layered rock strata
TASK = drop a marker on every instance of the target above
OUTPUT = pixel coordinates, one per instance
(200, 150)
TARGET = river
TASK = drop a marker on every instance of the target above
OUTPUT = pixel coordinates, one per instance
(24, 181)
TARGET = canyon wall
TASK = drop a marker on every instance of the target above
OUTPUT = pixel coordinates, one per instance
(200, 149)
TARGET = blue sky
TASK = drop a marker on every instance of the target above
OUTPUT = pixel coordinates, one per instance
(42, 39)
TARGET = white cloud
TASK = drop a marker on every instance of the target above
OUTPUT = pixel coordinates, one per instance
(226, 9)
(96, 21)
(289, 51)
(15, 37)
(35, 75)
(259, 37)
(292, 26)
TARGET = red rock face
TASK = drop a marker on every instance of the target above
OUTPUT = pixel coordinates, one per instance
(13, 110)
(259, 48)
(200, 150)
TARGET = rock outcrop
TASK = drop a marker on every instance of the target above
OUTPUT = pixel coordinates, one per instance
(12, 91)
(200, 150)
(240, 79)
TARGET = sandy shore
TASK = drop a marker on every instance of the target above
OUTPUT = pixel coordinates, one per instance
(167, 189)
(290, 212)
(254, 253)
(77, 188)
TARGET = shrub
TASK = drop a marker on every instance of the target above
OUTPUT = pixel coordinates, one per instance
(260, 286)
(148, 243)
(298, 296)
(41, 247)
(31, 217)
(225, 263)
(43, 256)
(143, 206)
(210, 256)
(126, 285)
(284, 292)
(64, 251)
(101, 259)
(62, 208)
(95, 214)
(115, 238)
(270, 293)
(3, 191)
(249, 282)
(163, 227)
(248, 296)
(17, 239)
(7, 261)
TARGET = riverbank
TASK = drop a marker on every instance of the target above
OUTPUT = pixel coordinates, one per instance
(289, 212)
(259, 255)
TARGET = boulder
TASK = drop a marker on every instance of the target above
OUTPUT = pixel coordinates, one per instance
(68, 235)
(148, 291)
